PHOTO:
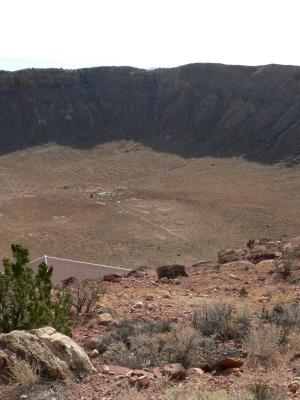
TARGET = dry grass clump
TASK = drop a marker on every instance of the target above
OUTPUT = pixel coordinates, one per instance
(222, 320)
(23, 372)
(132, 394)
(187, 346)
(262, 391)
(285, 315)
(200, 393)
(257, 391)
(145, 344)
(263, 346)
(285, 267)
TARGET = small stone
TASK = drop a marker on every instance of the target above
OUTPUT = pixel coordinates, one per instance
(105, 319)
(263, 299)
(164, 280)
(143, 380)
(294, 387)
(139, 304)
(95, 353)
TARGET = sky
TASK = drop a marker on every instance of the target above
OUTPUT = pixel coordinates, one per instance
(147, 33)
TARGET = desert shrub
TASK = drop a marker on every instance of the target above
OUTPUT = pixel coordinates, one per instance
(222, 321)
(25, 298)
(285, 267)
(23, 372)
(251, 244)
(130, 328)
(187, 346)
(118, 353)
(82, 296)
(143, 351)
(148, 344)
(263, 346)
(134, 342)
(243, 292)
(146, 349)
(287, 315)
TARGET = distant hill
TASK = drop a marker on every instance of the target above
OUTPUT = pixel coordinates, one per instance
(193, 110)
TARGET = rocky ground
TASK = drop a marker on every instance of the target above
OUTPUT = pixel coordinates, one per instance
(261, 276)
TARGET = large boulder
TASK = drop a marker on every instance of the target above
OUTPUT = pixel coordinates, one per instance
(114, 278)
(66, 349)
(253, 255)
(257, 255)
(171, 271)
(28, 346)
(57, 355)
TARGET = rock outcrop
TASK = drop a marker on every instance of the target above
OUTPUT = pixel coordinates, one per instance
(171, 271)
(267, 251)
(57, 355)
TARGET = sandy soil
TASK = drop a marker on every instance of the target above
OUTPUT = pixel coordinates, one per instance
(172, 209)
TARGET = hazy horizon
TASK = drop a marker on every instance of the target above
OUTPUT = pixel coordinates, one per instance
(19, 65)
(64, 34)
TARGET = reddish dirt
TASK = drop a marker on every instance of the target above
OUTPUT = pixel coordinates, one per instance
(176, 301)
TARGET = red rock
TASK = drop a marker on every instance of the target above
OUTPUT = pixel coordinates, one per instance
(112, 278)
(223, 365)
(115, 370)
(143, 381)
(256, 256)
(294, 387)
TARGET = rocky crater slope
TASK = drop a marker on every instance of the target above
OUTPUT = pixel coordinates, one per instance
(225, 328)
(193, 110)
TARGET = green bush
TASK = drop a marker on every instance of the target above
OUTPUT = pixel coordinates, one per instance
(25, 297)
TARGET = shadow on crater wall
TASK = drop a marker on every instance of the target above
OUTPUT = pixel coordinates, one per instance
(194, 110)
